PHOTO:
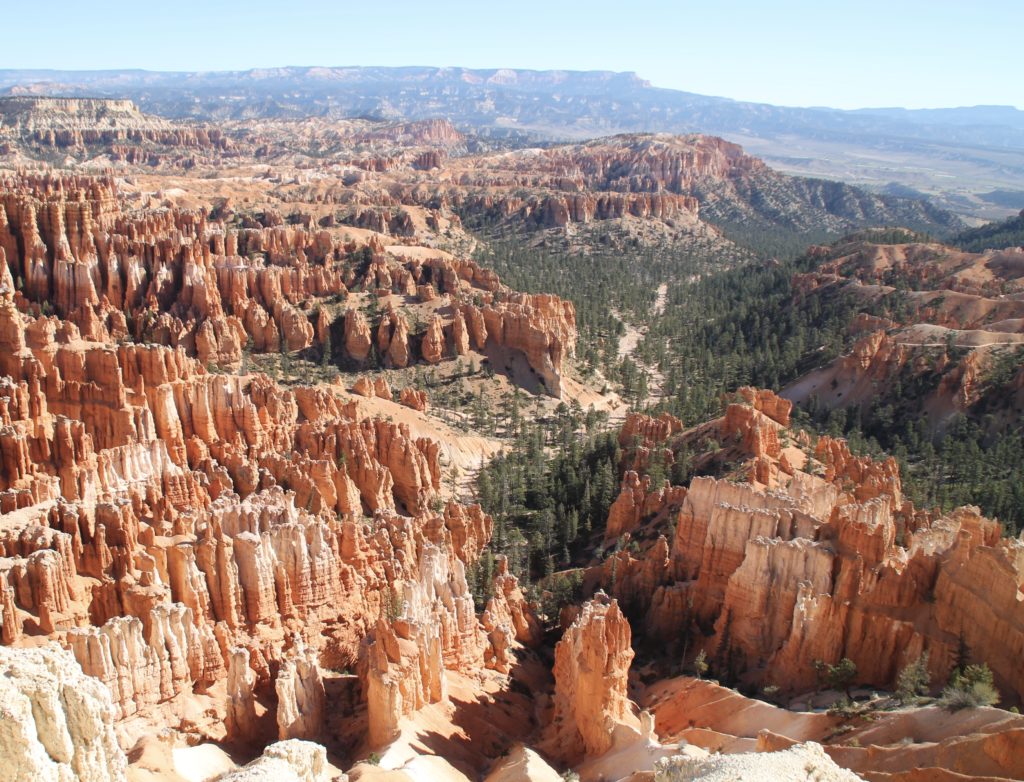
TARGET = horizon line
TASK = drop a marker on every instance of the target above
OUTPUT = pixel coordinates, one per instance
(648, 83)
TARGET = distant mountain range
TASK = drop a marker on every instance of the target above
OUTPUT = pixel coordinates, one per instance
(957, 156)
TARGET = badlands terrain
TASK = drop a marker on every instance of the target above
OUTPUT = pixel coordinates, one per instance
(969, 160)
(306, 476)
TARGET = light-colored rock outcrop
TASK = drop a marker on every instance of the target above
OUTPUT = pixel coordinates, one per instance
(285, 761)
(301, 702)
(57, 723)
(427, 623)
(522, 764)
(591, 668)
(803, 761)
(240, 720)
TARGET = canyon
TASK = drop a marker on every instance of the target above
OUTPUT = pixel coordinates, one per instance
(242, 530)
(894, 150)
(930, 316)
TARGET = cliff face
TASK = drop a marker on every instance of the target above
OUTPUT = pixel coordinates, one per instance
(818, 556)
(591, 667)
(57, 723)
(77, 123)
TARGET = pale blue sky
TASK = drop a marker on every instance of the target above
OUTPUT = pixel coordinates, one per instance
(912, 53)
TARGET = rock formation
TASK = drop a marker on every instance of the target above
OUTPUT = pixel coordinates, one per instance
(427, 623)
(819, 563)
(285, 761)
(432, 347)
(591, 666)
(57, 723)
(300, 695)
(357, 335)
(205, 539)
(410, 397)
(240, 720)
(508, 619)
(181, 530)
(962, 306)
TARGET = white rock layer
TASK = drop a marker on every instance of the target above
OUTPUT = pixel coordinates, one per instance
(56, 723)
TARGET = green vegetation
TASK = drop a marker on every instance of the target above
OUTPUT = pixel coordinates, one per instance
(965, 464)
(913, 680)
(700, 664)
(1008, 233)
(970, 687)
(836, 677)
(728, 323)
(608, 291)
(550, 490)
(741, 327)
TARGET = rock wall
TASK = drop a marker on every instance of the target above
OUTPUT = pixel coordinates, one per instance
(819, 563)
(591, 668)
(57, 722)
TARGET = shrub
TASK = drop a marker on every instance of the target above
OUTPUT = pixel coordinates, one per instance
(836, 677)
(700, 664)
(843, 707)
(913, 680)
(969, 689)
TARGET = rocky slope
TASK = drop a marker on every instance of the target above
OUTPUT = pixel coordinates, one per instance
(815, 554)
(796, 763)
(946, 321)
(904, 150)
(401, 178)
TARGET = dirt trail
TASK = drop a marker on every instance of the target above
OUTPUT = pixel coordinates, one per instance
(661, 300)
(630, 340)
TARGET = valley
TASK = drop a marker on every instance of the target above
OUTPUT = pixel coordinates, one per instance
(365, 449)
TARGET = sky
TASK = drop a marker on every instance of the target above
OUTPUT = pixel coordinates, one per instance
(869, 53)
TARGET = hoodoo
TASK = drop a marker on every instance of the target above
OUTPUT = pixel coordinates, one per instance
(380, 425)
